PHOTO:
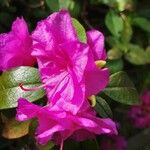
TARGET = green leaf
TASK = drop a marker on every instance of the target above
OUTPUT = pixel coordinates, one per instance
(121, 89)
(80, 30)
(115, 65)
(71, 5)
(64, 4)
(124, 4)
(114, 23)
(14, 129)
(127, 32)
(53, 5)
(142, 22)
(117, 44)
(114, 53)
(137, 55)
(102, 108)
(10, 92)
(120, 5)
(111, 40)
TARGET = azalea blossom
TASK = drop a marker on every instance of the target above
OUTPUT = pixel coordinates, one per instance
(16, 46)
(57, 125)
(113, 142)
(140, 114)
(67, 66)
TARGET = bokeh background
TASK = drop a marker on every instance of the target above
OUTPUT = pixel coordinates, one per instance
(126, 26)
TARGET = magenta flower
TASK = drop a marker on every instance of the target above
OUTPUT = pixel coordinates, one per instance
(67, 66)
(113, 142)
(57, 125)
(140, 114)
(16, 46)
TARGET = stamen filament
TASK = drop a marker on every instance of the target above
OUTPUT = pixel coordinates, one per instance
(31, 89)
(38, 87)
(61, 145)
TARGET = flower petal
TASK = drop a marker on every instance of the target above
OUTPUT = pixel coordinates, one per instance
(95, 39)
(96, 80)
(26, 110)
(54, 30)
(20, 28)
(16, 46)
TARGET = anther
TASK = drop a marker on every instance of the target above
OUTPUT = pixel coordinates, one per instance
(100, 63)
(92, 99)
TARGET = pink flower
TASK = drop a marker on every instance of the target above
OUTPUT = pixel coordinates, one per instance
(16, 46)
(57, 125)
(113, 142)
(140, 114)
(67, 66)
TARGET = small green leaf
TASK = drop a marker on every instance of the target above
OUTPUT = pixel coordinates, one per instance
(80, 30)
(114, 53)
(53, 5)
(71, 5)
(121, 4)
(117, 44)
(115, 65)
(121, 89)
(120, 79)
(10, 92)
(102, 108)
(137, 55)
(142, 22)
(114, 23)
(124, 4)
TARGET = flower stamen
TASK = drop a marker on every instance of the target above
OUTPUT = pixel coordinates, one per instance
(92, 99)
(31, 89)
(100, 63)
(61, 145)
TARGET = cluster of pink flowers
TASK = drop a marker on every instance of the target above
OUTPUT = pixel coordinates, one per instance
(69, 74)
(140, 114)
